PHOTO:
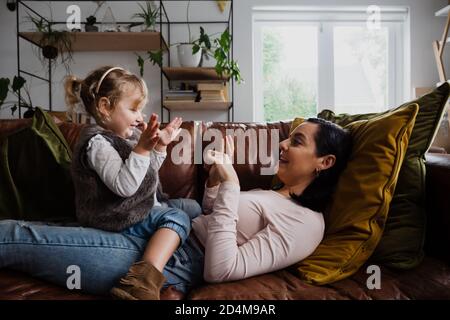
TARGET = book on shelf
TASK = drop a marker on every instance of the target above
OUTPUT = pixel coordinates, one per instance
(213, 95)
(180, 98)
(210, 86)
(188, 95)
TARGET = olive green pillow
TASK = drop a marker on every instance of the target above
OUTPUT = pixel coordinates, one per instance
(355, 220)
(35, 180)
(403, 240)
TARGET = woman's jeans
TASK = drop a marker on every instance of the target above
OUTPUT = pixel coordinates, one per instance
(56, 253)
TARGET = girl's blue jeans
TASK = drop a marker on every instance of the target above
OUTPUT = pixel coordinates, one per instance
(49, 251)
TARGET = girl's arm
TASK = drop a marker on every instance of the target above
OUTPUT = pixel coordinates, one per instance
(157, 158)
(122, 178)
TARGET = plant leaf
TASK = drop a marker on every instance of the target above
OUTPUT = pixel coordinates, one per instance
(13, 109)
(195, 48)
(204, 38)
(18, 83)
(4, 83)
(156, 57)
(140, 62)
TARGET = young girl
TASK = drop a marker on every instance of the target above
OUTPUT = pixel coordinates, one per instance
(115, 172)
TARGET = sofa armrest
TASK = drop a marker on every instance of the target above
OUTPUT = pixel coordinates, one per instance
(438, 205)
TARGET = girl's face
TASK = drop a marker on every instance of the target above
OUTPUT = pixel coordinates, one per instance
(298, 159)
(127, 114)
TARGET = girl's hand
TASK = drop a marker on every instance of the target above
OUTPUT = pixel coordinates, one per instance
(170, 132)
(149, 137)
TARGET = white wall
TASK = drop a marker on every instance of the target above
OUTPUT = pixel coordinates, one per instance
(425, 28)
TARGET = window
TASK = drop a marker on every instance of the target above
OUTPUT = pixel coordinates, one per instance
(311, 59)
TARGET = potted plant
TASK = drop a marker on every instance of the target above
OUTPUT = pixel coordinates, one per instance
(186, 55)
(14, 87)
(219, 49)
(149, 15)
(89, 26)
(190, 54)
(91, 20)
(53, 42)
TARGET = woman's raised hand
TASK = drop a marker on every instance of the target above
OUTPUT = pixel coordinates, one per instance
(221, 156)
(149, 136)
(222, 164)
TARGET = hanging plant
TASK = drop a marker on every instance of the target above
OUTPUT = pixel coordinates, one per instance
(54, 43)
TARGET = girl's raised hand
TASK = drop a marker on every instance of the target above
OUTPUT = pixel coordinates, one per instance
(170, 132)
(149, 137)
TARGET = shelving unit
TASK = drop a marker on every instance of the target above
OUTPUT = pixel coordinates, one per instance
(136, 41)
(198, 75)
(442, 135)
(444, 13)
(86, 42)
(439, 46)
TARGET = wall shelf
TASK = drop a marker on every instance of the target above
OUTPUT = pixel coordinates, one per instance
(193, 74)
(183, 105)
(108, 41)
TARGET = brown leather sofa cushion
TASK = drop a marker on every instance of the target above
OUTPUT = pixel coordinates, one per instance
(431, 280)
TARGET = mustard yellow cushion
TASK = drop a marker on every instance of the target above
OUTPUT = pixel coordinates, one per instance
(356, 217)
(296, 123)
(401, 246)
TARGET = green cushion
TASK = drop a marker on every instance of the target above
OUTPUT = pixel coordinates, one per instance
(401, 245)
(35, 180)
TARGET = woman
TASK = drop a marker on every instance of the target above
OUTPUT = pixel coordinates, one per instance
(244, 234)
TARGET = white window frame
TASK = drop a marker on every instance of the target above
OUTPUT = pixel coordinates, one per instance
(325, 18)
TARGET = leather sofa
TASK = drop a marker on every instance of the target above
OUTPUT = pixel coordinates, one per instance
(430, 280)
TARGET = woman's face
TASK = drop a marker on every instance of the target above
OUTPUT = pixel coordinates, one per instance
(298, 160)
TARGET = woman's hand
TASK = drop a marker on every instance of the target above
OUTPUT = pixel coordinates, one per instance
(149, 136)
(168, 134)
(222, 164)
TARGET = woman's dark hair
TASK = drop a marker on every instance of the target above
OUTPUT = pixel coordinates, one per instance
(330, 139)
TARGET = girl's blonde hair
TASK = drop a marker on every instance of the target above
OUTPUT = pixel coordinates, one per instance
(113, 86)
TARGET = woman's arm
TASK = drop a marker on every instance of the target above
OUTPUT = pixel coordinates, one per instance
(209, 197)
(266, 251)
